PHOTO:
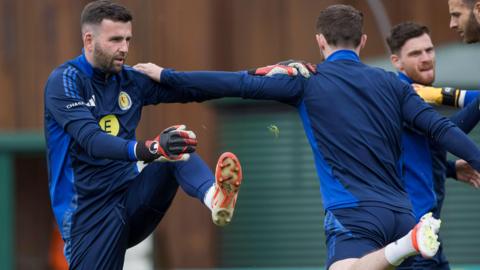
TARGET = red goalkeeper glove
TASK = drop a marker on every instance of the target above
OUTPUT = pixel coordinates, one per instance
(173, 144)
(289, 67)
(274, 70)
(304, 68)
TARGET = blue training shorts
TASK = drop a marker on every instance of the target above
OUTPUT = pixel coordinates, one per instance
(356, 232)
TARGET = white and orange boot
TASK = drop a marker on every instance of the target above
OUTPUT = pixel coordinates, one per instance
(423, 239)
(425, 236)
(228, 178)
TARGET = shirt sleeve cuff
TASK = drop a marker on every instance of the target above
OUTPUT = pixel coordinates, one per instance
(451, 171)
(165, 75)
(131, 150)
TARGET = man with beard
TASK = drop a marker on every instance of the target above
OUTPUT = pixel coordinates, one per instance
(465, 19)
(352, 116)
(102, 201)
(424, 164)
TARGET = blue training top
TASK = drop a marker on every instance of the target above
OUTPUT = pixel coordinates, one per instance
(353, 116)
(424, 164)
(90, 122)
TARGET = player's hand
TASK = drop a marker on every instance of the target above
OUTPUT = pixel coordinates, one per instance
(467, 174)
(304, 68)
(173, 144)
(274, 70)
(429, 94)
(437, 95)
(289, 67)
(150, 69)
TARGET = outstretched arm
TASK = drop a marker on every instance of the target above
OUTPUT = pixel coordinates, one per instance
(467, 118)
(448, 96)
(438, 128)
(154, 93)
(217, 84)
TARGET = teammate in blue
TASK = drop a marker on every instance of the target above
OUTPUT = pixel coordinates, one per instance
(353, 117)
(424, 164)
(465, 19)
(102, 201)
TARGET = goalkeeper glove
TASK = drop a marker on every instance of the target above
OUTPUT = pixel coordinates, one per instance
(304, 68)
(438, 96)
(274, 70)
(173, 144)
(289, 67)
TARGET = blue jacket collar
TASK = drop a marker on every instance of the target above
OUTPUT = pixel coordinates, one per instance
(344, 55)
(92, 72)
(85, 65)
(404, 78)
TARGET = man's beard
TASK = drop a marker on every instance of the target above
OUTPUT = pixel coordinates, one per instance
(417, 76)
(104, 61)
(422, 80)
(472, 30)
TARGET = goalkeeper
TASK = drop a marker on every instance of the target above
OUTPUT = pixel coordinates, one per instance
(102, 201)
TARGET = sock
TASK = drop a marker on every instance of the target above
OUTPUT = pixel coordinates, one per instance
(397, 251)
(207, 200)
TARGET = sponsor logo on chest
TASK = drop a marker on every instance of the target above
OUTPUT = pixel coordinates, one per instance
(109, 124)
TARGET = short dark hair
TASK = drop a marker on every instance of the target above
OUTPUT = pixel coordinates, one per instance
(403, 32)
(341, 25)
(95, 12)
(469, 3)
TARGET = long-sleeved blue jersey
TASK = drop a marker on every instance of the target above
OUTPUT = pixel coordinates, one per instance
(467, 96)
(424, 163)
(90, 122)
(353, 117)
